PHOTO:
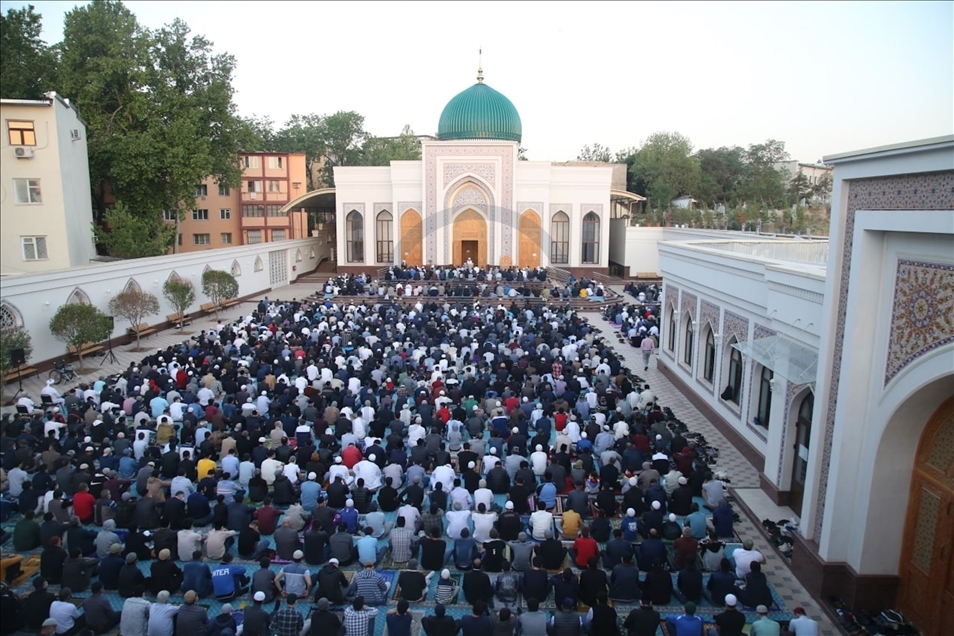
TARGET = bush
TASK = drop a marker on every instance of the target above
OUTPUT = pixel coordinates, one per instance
(13, 338)
(181, 294)
(219, 285)
(79, 325)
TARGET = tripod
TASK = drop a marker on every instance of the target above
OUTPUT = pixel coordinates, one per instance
(13, 400)
(110, 356)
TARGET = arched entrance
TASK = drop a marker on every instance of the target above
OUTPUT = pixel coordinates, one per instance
(470, 238)
(529, 245)
(803, 433)
(927, 553)
(411, 245)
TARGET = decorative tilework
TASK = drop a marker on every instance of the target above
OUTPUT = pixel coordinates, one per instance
(709, 313)
(923, 316)
(486, 171)
(934, 191)
(758, 430)
(432, 215)
(470, 196)
(567, 208)
(734, 325)
(586, 208)
(762, 332)
(378, 207)
(348, 207)
(536, 206)
(404, 206)
(687, 303)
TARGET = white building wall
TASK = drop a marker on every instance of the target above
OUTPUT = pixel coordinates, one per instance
(75, 184)
(34, 298)
(359, 189)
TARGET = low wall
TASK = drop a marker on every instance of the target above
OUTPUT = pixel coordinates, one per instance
(32, 300)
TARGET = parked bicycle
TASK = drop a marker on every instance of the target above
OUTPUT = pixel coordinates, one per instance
(62, 371)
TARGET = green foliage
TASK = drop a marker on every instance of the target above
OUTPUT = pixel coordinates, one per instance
(158, 106)
(597, 152)
(78, 325)
(763, 185)
(381, 151)
(666, 165)
(127, 235)
(219, 285)
(27, 64)
(721, 173)
(13, 338)
(181, 294)
(134, 305)
(521, 153)
(344, 136)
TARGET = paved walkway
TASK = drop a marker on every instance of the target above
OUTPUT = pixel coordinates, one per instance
(742, 474)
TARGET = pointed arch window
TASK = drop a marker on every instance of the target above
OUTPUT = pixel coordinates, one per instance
(9, 317)
(591, 239)
(708, 365)
(354, 224)
(688, 342)
(259, 265)
(236, 269)
(78, 297)
(734, 389)
(132, 286)
(764, 411)
(383, 235)
(560, 239)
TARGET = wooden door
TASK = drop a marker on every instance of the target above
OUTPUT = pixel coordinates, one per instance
(927, 557)
(468, 249)
(529, 242)
(803, 432)
(411, 245)
(470, 227)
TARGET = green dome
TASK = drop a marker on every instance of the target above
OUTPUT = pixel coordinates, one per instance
(480, 112)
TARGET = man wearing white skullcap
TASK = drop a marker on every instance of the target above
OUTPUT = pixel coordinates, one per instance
(370, 472)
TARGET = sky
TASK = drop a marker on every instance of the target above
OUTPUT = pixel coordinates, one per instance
(824, 77)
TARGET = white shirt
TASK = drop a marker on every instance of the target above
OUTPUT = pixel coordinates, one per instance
(291, 471)
(538, 462)
(744, 560)
(369, 472)
(457, 494)
(484, 496)
(483, 524)
(342, 470)
(269, 467)
(65, 615)
(540, 522)
(457, 520)
(803, 626)
(443, 475)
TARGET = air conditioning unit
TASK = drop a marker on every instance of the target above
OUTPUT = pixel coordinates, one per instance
(202, 197)
(75, 134)
(253, 195)
(23, 152)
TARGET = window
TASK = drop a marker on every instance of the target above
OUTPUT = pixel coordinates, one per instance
(252, 211)
(253, 186)
(27, 190)
(275, 186)
(21, 133)
(708, 367)
(687, 350)
(253, 237)
(591, 238)
(200, 215)
(734, 390)
(201, 239)
(278, 235)
(671, 331)
(223, 191)
(273, 210)
(765, 398)
(250, 162)
(179, 239)
(275, 163)
(385, 245)
(355, 229)
(202, 190)
(34, 248)
(225, 214)
(226, 238)
(560, 239)
(170, 215)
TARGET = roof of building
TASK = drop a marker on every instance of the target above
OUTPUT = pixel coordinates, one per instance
(480, 112)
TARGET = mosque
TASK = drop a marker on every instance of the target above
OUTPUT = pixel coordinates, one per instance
(470, 197)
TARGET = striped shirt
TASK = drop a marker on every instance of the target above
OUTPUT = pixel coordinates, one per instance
(371, 586)
(356, 621)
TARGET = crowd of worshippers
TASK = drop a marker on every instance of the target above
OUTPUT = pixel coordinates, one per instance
(292, 433)
(488, 283)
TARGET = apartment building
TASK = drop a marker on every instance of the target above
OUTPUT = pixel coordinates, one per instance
(46, 210)
(252, 213)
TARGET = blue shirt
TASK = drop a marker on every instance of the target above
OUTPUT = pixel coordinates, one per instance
(128, 467)
(630, 527)
(686, 625)
(367, 549)
(309, 495)
(197, 576)
(548, 493)
(349, 516)
(223, 579)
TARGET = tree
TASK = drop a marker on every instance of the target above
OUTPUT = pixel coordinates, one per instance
(763, 184)
(134, 305)
(304, 133)
(521, 153)
(596, 153)
(27, 64)
(344, 135)
(666, 164)
(127, 235)
(13, 338)
(219, 285)
(158, 108)
(381, 151)
(78, 325)
(721, 173)
(181, 294)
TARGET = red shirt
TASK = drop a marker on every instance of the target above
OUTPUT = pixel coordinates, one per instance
(351, 456)
(267, 519)
(512, 402)
(83, 504)
(560, 421)
(585, 549)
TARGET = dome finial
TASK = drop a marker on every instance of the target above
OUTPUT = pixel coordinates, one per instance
(480, 66)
